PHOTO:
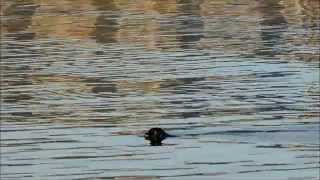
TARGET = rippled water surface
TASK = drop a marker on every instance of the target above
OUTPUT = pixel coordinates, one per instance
(236, 82)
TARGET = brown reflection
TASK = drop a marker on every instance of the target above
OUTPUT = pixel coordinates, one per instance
(307, 17)
(226, 30)
(125, 87)
(190, 27)
(106, 26)
(312, 9)
(69, 19)
(273, 25)
(18, 18)
(271, 12)
(150, 24)
(165, 24)
(69, 84)
(165, 6)
(139, 28)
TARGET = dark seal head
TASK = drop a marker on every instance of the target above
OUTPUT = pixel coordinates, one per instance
(155, 136)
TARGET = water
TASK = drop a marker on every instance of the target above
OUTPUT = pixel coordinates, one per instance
(237, 82)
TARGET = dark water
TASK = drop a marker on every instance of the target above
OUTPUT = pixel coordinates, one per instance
(236, 81)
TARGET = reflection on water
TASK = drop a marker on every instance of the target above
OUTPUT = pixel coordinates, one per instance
(236, 83)
(189, 24)
(21, 13)
(273, 23)
(106, 26)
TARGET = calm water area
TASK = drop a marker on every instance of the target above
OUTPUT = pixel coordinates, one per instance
(236, 82)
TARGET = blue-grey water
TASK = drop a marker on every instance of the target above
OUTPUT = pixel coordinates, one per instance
(236, 82)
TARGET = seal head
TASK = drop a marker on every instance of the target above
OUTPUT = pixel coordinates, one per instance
(156, 136)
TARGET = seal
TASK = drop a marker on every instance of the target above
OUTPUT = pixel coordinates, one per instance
(156, 136)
